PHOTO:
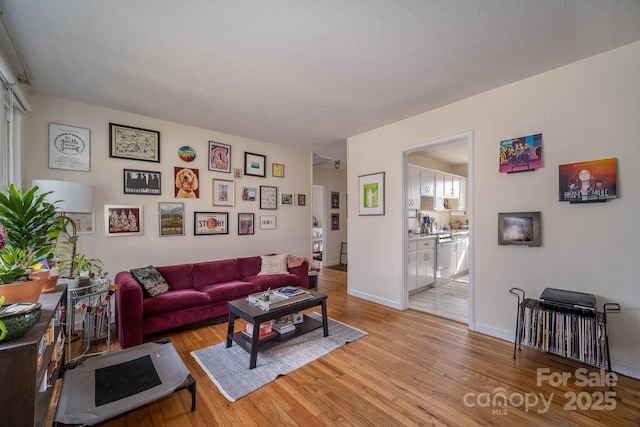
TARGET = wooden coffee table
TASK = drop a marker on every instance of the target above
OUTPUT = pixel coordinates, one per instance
(252, 314)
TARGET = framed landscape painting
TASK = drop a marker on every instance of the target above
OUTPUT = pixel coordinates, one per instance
(171, 218)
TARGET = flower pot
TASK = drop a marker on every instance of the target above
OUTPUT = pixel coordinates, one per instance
(28, 291)
(73, 283)
(50, 279)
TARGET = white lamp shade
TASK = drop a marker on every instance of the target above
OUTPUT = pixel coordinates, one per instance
(73, 197)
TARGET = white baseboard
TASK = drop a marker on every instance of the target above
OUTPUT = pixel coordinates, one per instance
(373, 298)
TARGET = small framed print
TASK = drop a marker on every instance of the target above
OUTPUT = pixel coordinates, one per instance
(69, 147)
(122, 220)
(267, 222)
(85, 222)
(171, 218)
(210, 223)
(237, 173)
(219, 157)
(277, 170)
(335, 200)
(248, 194)
(302, 199)
(223, 192)
(286, 199)
(254, 164)
(268, 197)
(371, 199)
(245, 224)
(141, 182)
(127, 142)
(335, 221)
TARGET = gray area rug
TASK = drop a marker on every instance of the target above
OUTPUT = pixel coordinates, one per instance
(228, 368)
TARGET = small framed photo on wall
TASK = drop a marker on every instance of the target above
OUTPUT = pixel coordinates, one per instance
(302, 199)
(335, 200)
(335, 221)
(245, 224)
(171, 218)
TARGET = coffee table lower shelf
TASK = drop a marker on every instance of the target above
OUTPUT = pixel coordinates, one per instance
(309, 324)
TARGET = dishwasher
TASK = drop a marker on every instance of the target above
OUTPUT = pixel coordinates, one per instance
(443, 258)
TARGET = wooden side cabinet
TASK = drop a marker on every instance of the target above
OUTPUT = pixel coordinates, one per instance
(29, 368)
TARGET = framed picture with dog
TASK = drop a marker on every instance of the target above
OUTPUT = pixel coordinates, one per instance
(187, 183)
(127, 142)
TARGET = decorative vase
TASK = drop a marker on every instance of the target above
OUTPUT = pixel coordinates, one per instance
(19, 318)
(28, 291)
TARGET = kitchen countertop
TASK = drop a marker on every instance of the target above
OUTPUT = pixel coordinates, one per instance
(422, 236)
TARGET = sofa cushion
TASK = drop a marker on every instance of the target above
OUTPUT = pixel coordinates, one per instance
(273, 281)
(229, 291)
(274, 264)
(151, 280)
(174, 301)
(178, 276)
(250, 266)
(208, 273)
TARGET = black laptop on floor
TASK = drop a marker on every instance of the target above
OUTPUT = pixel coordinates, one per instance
(563, 299)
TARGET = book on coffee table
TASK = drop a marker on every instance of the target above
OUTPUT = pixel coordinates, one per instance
(275, 301)
(262, 338)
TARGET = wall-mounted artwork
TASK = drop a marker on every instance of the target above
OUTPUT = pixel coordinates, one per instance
(592, 181)
(187, 183)
(248, 194)
(335, 221)
(335, 200)
(122, 220)
(219, 157)
(69, 147)
(286, 199)
(141, 182)
(171, 216)
(254, 164)
(519, 229)
(371, 197)
(302, 199)
(521, 154)
(267, 222)
(223, 192)
(268, 197)
(245, 224)
(207, 223)
(187, 153)
(128, 142)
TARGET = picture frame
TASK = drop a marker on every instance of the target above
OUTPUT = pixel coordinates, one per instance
(210, 223)
(141, 182)
(128, 142)
(187, 183)
(371, 199)
(248, 194)
(171, 218)
(286, 199)
(335, 200)
(69, 147)
(123, 220)
(254, 164)
(277, 170)
(267, 222)
(246, 224)
(186, 153)
(522, 229)
(219, 157)
(335, 221)
(237, 173)
(588, 182)
(523, 154)
(223, 192)
(268, 197)
(302, 199)
(85, 222)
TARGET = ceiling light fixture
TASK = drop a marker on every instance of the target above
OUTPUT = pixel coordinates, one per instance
(336, 164)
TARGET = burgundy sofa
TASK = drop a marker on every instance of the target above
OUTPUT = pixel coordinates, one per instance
(199, 292)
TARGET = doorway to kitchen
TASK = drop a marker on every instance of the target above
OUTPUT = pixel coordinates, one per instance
(439, 261)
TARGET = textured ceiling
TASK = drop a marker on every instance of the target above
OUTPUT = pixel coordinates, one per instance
(300, 72)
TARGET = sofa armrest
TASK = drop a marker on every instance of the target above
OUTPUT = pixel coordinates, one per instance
(128, 310)
(302, 271)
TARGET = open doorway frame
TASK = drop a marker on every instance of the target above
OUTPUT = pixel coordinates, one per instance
(469, 137)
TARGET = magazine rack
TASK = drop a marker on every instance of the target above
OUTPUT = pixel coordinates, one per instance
(572, 333)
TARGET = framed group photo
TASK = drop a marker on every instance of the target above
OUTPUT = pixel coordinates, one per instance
(141, 182)
(207, 223)
(127, 142)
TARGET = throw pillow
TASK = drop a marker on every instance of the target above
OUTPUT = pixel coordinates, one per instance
(274, 264)
(151, 280)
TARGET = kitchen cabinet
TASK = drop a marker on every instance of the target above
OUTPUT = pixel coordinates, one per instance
(438, 200)
(427, 183)
(462, 200)
(413, 189)
(451, 186)
(459, 256)
(421, 263)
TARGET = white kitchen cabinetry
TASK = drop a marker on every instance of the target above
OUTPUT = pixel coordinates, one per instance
(438, 200)
(462, 200)
(451, 186)
(427, 183)
(413, 193)
(421, 263)
(459, 254)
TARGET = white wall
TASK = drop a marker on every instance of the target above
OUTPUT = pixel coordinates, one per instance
(292, 234)
(586, 110)
(333, 180)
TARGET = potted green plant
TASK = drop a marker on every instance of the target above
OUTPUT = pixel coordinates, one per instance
(84, 269)
(31, 228)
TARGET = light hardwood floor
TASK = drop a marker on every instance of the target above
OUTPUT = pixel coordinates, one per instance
(411, 369)
(449, 300)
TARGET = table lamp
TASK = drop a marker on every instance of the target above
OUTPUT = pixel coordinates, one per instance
(70, 197)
